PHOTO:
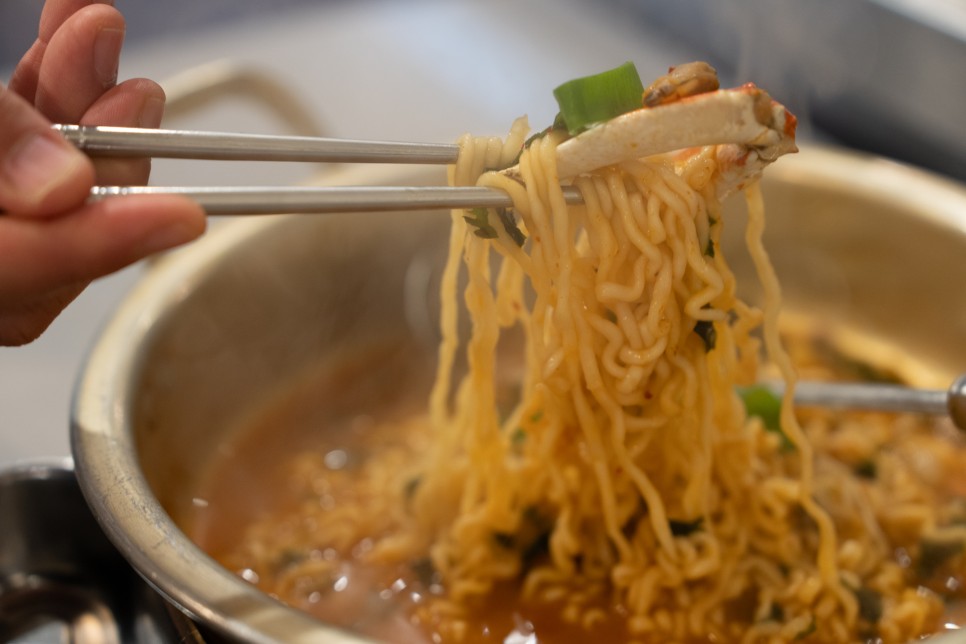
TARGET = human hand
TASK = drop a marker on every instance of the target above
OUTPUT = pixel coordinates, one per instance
(52, 244)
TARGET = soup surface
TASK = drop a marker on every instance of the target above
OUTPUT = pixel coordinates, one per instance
(308, 463)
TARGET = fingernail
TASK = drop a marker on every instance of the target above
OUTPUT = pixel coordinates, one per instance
(107, 54)
(151, 112)
(39, 165)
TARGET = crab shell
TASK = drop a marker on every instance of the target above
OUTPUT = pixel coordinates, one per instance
(749, 129)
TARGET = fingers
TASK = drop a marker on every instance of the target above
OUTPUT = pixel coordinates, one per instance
(23, 81)
(51, 244)
(133, 103)
(45, 263)
(55, 13)
(40, 173)
(40, 256)
(77, 85)
(138, 102)
(80, 63)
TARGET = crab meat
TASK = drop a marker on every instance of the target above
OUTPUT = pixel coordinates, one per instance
(759, 129)
(739, 165)
(681, 81)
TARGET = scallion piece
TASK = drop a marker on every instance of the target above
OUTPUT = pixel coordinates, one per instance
(762, 402)
(685, 528)
(479, 219)
(587, 101)
(706, 331)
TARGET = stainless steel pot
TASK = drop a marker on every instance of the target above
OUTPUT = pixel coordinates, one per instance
(875, 249)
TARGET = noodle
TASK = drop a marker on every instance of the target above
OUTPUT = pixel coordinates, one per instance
(633, 253)
(628, 472)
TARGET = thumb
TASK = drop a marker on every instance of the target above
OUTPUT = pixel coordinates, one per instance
(41, 174)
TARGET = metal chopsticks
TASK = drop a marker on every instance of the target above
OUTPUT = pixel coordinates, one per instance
(885, 397)
(246, 200)
(223, 146)
(101, 141)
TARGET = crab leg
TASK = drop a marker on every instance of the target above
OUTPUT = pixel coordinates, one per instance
(746, 116)
(739, 165)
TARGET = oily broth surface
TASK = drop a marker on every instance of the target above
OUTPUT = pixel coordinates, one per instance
(274, 462)
(306, 445)
(326, 410)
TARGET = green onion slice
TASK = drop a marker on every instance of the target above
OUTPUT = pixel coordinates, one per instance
(763, 402)
(588, 101)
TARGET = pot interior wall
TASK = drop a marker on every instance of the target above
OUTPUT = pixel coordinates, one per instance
(310, 291)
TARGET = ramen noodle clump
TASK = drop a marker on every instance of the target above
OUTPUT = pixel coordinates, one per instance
(638, 486)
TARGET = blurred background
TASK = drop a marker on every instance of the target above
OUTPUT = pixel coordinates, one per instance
(885, 76)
